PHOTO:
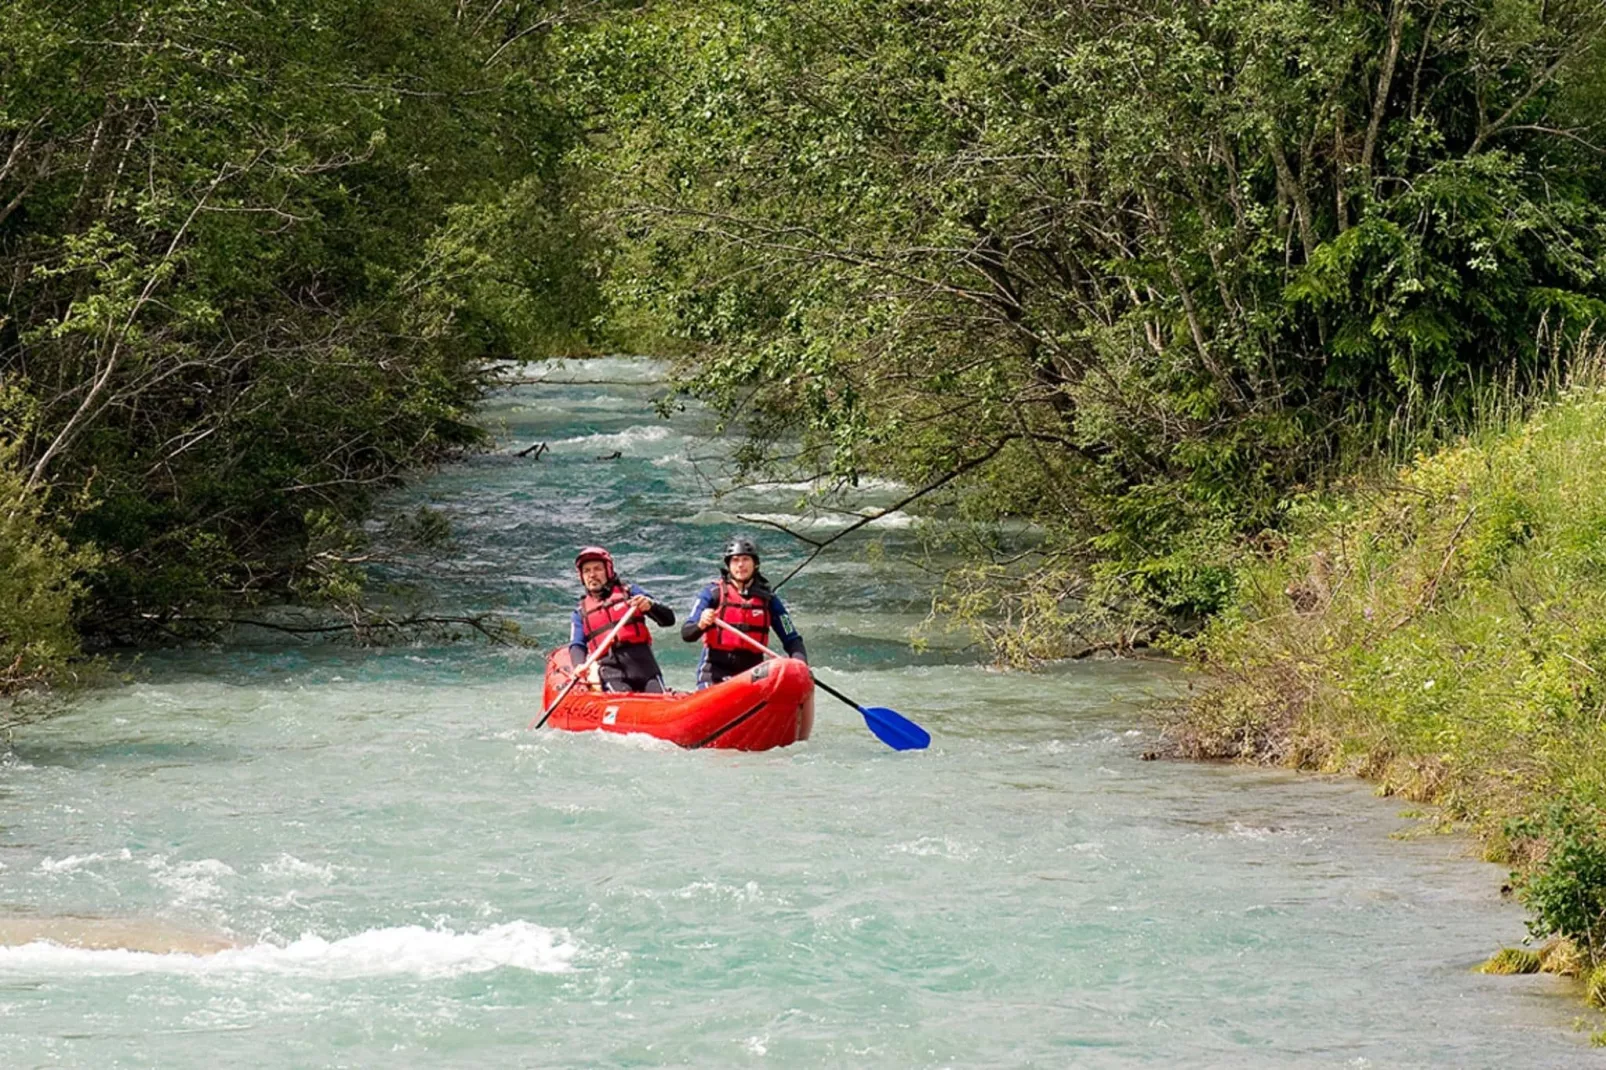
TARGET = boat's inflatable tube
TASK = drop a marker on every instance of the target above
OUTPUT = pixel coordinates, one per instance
(770, 705)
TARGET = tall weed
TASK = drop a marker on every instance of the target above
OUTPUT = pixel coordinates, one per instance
(1443, 630)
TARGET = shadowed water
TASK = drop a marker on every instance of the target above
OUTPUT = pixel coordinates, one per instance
(410, 879)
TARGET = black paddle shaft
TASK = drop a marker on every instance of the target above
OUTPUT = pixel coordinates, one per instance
(821, 683)
(767, 652)
(889, 726)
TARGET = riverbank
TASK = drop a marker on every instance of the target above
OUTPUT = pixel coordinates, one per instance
(1443, 634)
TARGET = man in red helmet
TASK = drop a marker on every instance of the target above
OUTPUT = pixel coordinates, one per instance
(629, 664)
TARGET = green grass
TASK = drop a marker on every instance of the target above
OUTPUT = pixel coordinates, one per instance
(1510, 960)
(1442, 631)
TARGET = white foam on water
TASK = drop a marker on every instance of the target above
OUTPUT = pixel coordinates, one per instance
(290, 867)
(619, 440)
(636, 740)
(643, 370)
(606, 403)
(406, 950)
(1254, 832)
(798, 522)
(935, 847)
(191, 881)
(865, 485)
(72, 862)
(715, 891)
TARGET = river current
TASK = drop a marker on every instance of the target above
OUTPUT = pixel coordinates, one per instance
(409, 878)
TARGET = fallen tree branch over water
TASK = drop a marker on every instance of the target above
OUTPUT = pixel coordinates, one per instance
(364, 626)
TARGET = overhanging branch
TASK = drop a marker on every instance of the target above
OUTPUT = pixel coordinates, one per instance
(954, 473)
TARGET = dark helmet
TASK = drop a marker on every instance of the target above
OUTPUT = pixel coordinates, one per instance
(741, 544)
(595, 553)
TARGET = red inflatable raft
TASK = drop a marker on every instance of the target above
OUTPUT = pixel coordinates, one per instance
(770, 705)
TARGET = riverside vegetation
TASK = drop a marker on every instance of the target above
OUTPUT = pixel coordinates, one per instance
(1126, 273)
(1148, 281)
(256, 260)
(1443, 632)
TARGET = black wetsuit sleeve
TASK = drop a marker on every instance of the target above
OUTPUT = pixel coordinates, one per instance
(659, 614)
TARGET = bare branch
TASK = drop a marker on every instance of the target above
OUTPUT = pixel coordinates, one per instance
(937, 484)
(85, 409)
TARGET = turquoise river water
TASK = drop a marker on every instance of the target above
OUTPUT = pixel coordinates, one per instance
(410, 879)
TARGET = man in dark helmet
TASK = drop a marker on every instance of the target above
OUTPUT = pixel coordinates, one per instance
(629, 664)
(740, 597)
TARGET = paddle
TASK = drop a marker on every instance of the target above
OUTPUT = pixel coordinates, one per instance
(584, 668)
(889, 726)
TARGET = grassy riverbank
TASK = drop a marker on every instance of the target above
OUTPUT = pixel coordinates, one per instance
(1443, 632)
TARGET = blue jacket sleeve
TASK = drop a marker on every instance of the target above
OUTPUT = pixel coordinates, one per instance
(577, 638)
(781, 622)
(706, 599)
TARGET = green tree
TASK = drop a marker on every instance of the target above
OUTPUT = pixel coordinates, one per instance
(1136, 270)
(257, 259)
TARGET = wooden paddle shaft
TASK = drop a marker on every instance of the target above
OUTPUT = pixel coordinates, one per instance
(585, 667)
(744, 637)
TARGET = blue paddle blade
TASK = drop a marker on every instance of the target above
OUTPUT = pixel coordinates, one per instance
(894, 729)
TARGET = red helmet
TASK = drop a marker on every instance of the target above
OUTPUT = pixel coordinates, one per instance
(595, 553)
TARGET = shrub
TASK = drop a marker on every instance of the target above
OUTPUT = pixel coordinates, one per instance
(38, 588)
(1439, 631)
(1595, 988)
(1566, 887)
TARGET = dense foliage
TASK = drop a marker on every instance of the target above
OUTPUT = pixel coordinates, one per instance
(1566, 887)
(255, 258)
(1444, 634)
(38, 586)
(1137, 270)
(1131, 275)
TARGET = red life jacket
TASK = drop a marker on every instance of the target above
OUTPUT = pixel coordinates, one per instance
(599, 615)
(748, 612)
